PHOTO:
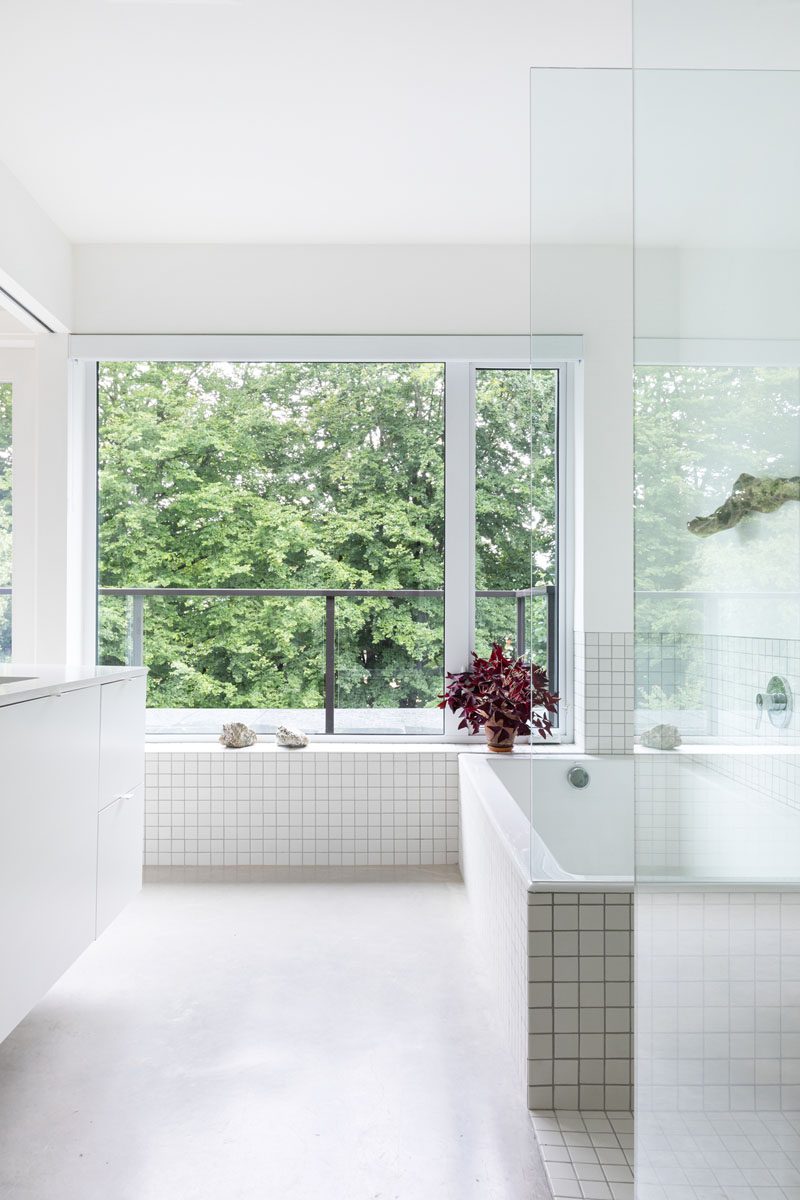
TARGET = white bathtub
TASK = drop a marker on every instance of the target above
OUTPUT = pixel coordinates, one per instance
(531, 886)
(558, 834)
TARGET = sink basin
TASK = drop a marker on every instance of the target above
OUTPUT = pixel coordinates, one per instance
(14, 679)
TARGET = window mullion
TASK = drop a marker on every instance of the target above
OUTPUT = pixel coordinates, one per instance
(459, 520)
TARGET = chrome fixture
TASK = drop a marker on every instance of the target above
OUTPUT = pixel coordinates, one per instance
(578, 776)
(776, 702)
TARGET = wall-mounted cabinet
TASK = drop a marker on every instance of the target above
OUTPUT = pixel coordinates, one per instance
(71, 806)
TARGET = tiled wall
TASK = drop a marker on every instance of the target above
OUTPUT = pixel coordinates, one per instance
(710, 816)
(708, 684)
(498, 897)
(710, 813)
(267, 806)
(718, 999)
(580, 1004)
(604, 692)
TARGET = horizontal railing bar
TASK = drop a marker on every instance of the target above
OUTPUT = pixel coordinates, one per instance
(714, 595)
(320, 592)
(497, 594)
(391, 593)
(488, 594)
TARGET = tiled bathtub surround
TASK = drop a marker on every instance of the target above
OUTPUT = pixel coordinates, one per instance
(580, 1004)
(561, 961)
(498, 897)
(604, 692)
(718, 995)
(718, 1043)
(267, 806)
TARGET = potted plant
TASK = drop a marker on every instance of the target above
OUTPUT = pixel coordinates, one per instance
(502, 694)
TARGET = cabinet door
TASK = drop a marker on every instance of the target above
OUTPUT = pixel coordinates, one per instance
(120, 841)
(48, 844)
(121, 738)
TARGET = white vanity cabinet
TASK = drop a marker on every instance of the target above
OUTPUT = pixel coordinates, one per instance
(120, 797)
(121, 738)
(70, 853)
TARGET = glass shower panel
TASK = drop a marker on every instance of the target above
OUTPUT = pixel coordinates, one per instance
(581, 836)
(717, 631)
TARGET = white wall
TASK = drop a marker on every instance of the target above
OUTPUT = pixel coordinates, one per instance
(35, 257)
(725, 293)
(301, 289)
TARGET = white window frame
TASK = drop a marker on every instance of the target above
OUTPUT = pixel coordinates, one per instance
(18, 367)
(462, 356)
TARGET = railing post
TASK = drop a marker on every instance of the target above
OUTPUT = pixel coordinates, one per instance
(521, 615)
(136, 631)
(330, 661)
(552, 638)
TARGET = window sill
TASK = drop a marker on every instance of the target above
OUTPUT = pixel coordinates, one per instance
(350, 748)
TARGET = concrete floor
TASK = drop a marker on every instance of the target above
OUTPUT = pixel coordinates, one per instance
(235, 1036)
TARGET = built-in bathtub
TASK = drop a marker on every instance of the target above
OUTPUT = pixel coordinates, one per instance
(549, 873)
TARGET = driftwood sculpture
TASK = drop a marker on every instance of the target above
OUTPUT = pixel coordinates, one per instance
(750, 495)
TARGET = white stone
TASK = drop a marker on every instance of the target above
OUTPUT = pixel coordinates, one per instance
(661, 737)
(237, 736)
(293, 739)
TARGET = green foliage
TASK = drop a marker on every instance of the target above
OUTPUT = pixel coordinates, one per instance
(515, 493)
(275, 475)
(697, 430)
(5, 518)
(307, 475)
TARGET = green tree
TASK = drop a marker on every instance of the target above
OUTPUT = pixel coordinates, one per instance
(275, 475)
(515, 495)
(697, 429)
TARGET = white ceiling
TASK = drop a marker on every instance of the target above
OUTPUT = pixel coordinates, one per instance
(283, 120)
(398, 121)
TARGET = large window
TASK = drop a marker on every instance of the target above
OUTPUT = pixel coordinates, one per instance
(318, 488)
(271, 537)
(5, 521)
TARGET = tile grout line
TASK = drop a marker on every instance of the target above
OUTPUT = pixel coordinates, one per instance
(584, 1154)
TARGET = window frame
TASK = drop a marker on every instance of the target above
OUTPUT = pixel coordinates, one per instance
(18, 368)
(564, 572)
(462, 357)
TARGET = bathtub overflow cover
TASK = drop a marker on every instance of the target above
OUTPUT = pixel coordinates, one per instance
(578, 777)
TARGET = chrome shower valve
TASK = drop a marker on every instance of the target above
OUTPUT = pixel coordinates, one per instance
(776, 702)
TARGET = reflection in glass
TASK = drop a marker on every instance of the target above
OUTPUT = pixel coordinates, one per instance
(717, 617)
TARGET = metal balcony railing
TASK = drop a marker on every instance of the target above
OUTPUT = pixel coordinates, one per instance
(138, 596)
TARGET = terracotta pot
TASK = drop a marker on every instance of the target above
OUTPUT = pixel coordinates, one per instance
(495, 730)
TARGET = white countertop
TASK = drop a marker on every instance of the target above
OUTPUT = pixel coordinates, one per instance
(33, 682)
